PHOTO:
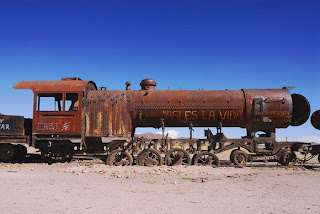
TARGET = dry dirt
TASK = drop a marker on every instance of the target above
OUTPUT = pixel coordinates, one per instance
(92, 187)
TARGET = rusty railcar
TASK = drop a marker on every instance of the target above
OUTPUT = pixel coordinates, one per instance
(15, 134)
(72, 116)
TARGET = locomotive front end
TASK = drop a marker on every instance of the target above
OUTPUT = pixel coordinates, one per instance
(275, 108)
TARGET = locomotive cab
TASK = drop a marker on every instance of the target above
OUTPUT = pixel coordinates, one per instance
(57, 111)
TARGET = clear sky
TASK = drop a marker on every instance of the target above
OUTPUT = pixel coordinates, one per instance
(181, 44)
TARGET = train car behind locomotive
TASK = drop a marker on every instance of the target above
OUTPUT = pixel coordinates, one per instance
(15, 132)
(71, 116)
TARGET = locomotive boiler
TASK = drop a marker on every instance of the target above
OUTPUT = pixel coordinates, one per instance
(116, 113)
(72, 116)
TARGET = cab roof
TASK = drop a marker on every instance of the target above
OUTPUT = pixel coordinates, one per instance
(65, 85)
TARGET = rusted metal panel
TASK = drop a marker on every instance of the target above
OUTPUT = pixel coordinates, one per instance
(108, 113)
(56, 123)
(11, 125)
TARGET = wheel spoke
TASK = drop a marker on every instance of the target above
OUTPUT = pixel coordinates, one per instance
(201, 160)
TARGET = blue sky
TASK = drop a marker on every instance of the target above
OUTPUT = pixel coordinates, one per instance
(181, 44)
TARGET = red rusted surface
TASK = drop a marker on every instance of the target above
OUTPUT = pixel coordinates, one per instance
(109, 113)
(54, 86)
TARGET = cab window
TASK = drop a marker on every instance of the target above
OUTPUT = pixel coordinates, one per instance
(49, 102)
(72, 102)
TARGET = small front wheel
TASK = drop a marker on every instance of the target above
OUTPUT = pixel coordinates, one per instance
(240, 158)
(287, 158)
(232, 155)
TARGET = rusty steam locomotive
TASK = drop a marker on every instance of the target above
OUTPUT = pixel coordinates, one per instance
(73, 116)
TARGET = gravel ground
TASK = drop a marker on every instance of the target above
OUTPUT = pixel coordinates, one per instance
(92, 187)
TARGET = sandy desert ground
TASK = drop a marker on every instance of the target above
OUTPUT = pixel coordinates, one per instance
(92, 187)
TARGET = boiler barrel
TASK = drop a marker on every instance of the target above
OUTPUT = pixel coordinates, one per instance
(117, 113)
(266, 108)
(180, 108)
